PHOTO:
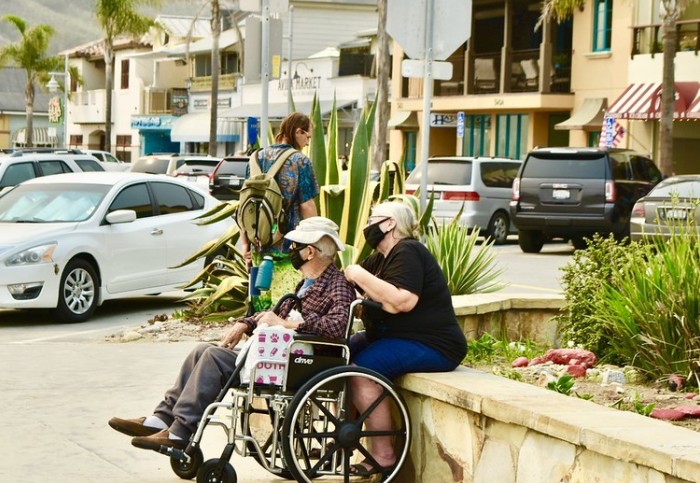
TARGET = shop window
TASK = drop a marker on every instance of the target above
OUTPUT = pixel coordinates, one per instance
(602, 25)
(125, 74)
(477, 135)
(511, 132)
(593, 139)
(410, 160)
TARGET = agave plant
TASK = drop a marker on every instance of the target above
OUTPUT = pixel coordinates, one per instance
(467, 268)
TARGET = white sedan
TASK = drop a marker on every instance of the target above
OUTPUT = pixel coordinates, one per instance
(71, 241)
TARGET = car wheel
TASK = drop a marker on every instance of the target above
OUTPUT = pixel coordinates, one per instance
(498, 228)
(579, 243)
(530, 241)
(77, 297)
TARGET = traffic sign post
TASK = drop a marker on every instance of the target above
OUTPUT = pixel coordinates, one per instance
(428, 31)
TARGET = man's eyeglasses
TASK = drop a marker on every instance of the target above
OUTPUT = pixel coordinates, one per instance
(299, 246)
(377, 219)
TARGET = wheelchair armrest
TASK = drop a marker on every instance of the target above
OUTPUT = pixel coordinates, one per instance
(316, 338)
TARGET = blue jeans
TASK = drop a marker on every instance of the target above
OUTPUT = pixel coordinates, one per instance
(395, 357)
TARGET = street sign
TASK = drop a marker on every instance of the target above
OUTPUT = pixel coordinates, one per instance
(460, 124)
(452, 20)
(416, 68)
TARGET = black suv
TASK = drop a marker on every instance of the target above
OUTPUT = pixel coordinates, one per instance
(572, 193)
(227, 178)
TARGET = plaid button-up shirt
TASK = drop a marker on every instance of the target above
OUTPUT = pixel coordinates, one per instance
(325, 305)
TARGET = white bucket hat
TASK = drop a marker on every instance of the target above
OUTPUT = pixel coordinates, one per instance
(310, 230)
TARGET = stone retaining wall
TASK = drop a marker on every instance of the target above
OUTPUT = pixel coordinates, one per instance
(470, 426)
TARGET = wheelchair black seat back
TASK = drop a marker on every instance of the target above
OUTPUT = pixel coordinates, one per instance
(304, 428)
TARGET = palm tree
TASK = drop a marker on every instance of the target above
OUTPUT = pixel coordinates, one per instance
(30, 54)
(214, 102)
(671, 11)
(118, 17)
(383, 71)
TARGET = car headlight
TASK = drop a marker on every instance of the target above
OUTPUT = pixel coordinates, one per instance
(32, 256)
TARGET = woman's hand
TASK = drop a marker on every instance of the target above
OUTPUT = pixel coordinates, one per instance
(352, 272)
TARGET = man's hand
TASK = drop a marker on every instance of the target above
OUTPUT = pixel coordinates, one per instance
(233, 336)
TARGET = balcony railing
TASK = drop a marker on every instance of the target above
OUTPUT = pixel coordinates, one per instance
(226, 82)
(648, 39)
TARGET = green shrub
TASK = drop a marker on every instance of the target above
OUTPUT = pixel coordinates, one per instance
(651, 309)
(583, 288)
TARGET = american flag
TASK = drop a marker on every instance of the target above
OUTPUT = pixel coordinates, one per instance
(611, 135)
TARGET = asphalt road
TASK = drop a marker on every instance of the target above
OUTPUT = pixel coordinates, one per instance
(60, 384)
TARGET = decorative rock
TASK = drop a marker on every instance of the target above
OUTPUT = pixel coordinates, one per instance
(611, 376)
(520, 362)
(667, 414)
(131, 336)
(675, 382)
(566, 356)
(157, 327)
(536, 360)
(576, 370)
(690, 411)
(691, 395)
(632, 375)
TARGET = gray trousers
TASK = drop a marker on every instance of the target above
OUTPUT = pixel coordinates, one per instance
(203, 374)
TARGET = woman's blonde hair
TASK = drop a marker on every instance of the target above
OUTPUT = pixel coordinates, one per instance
(406, 223)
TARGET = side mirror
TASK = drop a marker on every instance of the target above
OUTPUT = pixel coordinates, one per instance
(120, 216)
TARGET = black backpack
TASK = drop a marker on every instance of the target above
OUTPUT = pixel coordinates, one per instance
(261, 212)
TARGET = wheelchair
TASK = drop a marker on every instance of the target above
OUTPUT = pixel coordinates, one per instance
(302, 429)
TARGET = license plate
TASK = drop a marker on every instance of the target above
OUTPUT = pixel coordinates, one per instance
(561, 194)
(676, 214)
(192, 179)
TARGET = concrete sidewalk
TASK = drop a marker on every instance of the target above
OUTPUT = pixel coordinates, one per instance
(56, 399)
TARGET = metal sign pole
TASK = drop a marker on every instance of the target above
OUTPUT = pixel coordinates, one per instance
(427, 100)
(289, 58)
(265, 72)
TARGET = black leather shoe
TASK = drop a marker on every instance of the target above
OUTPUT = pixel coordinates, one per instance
(132, 427)
(155, 441)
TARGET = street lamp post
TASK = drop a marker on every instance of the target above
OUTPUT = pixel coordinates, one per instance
(53, 87)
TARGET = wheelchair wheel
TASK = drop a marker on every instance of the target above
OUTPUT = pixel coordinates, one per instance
(208, 473)
(322, 430)
(187, 470)
(261, 424)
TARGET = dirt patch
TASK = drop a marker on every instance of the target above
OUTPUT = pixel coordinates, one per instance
(627, 396)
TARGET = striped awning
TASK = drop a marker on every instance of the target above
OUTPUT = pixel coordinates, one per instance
(41, 137)
(643, 101)
(693, 111)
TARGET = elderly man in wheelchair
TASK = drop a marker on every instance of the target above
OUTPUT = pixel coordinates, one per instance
(286, 391)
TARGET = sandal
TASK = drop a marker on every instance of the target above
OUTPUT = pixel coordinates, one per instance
(359, 469)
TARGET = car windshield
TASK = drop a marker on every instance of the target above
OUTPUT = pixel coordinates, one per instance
(564, 167)
(56, 203)
(196, 167)
(444, 172)
(681, 189)
(235, 167)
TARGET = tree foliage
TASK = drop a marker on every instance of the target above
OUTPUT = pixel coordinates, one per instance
(118, 18)
(30, 54)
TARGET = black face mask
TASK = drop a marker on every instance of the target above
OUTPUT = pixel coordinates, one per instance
(373, 234)
(295, 258)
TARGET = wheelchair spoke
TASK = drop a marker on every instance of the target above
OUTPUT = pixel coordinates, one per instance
(372, 407)
(331, 417)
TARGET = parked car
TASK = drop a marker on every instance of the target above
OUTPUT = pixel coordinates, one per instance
(572, 193)
(16, 168)
(165, 163)
(670, 208)
(111, 163)
(482, 185)
(227, 177)
(197, 171)
(71, 241)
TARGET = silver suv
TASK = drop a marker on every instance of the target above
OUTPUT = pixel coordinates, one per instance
(19, 167)
(481, 185)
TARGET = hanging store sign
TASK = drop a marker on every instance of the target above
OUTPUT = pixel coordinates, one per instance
(443, 119)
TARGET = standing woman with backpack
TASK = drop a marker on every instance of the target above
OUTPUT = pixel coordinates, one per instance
(298, 186)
